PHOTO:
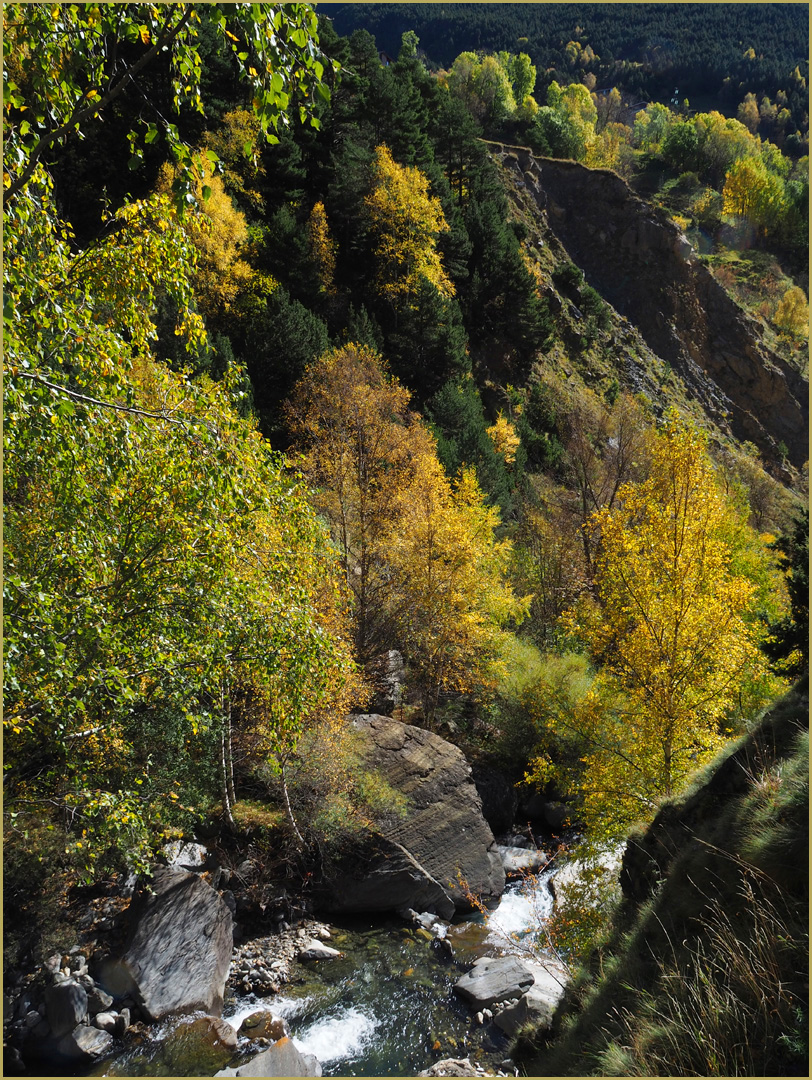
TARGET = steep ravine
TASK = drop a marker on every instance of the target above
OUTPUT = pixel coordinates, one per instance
(643, 265)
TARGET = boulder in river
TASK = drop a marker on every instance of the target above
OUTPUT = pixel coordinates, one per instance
(518, 861)
(281, 1059)
(493, 979)
(422, 860)
(262, 1025)
(181, 951)
(317, 950)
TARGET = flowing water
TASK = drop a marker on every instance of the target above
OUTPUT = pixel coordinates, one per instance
(387, 1007)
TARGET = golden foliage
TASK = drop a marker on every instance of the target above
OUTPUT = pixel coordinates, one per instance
(449, 587)
(361, 445)
(792, 313)
(752, 192)
(234, 141)
(419, 553)
(670, 629)
(405, 221)
(322, 248)
(219, 232)
(504, 438)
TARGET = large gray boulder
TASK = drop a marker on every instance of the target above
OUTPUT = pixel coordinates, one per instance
(281, 1059)
(493, 979)
(436, 856)
(180, 954)
(538, 1003)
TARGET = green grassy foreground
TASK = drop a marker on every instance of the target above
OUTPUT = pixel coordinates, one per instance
(706, 971)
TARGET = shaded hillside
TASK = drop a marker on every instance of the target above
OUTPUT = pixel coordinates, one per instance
(707, 970)
(642, 264)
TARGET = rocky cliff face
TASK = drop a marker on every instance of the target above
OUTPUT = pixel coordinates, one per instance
(643, 265)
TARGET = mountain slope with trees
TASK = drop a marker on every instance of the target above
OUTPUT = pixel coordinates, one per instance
(310, 362)
(652, 51)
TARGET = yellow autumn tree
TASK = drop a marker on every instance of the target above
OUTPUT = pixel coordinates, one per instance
(322, 248)
(753, 192)
(504, 438)
(422, 565)
(360, 447)
(405, 221)
(669, 631)
(219, 232)
(450, 588)
(792, 313)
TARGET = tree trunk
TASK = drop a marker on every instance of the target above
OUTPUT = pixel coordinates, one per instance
(229, 760)
(288, 808)
(226, 764)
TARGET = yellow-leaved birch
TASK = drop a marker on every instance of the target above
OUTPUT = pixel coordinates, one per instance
(668, 628)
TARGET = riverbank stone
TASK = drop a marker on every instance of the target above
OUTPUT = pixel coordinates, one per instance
(493, 979)
(84, 1042)
(436, 857)
(539, 1002)
(181, 949)
(66, 1006)
(281, 1059)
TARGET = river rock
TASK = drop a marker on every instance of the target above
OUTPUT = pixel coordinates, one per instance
(263, 1025)
(98, 1001)
(207, 1043)
(66, 1006)
(421, 860)
(181, 951)
(317, 950)
(453, 1067)
(85, 1042)
(106, 1021)
(493, 979)
(518, 860)
(539, 1002)
(281, 1059)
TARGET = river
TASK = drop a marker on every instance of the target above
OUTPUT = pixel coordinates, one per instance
(387, 1007)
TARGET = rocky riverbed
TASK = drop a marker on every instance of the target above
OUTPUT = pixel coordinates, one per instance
(162, 978)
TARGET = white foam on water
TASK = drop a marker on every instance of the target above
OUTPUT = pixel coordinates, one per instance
(521, 911)
(285, 1008)
(338, 1035)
